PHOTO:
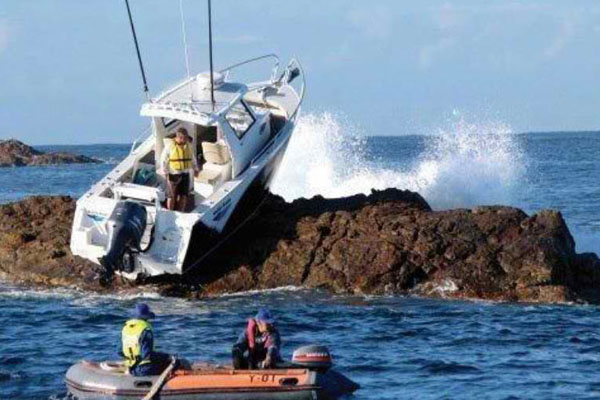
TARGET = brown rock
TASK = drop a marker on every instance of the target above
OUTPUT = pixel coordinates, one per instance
(14, 153)
(388, 242)
(34, 253)
(391, 241)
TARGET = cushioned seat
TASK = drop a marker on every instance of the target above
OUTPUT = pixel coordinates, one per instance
(208, 176)
(215, 153)
(218, 164)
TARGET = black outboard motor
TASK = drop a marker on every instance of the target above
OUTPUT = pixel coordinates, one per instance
(126, 227)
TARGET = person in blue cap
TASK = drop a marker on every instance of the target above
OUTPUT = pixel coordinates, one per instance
(137, 343)
(258, 346)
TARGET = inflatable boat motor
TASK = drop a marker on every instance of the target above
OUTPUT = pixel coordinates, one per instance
(125, 228)
(313, 357)
(318, 359)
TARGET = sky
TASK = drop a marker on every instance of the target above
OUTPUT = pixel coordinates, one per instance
(68, 72)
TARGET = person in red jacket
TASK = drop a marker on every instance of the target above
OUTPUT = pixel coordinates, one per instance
(258, 346)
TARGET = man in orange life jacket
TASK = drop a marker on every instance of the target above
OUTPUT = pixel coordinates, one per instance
(261, 341)
(179, 164)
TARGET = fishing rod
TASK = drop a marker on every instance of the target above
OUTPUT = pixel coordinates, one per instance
(137, 49)
(184, 35)
(210, 57)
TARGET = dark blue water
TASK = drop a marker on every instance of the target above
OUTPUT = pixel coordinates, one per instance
(73, 180)
(394, 347)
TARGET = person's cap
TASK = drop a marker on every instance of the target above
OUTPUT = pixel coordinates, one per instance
(142, 311)
(265, 316)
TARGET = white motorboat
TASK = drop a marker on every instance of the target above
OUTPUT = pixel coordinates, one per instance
(239, 134)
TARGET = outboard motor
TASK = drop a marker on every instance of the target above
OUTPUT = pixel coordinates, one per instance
(332, 383)
(125, 227)
(313, 357)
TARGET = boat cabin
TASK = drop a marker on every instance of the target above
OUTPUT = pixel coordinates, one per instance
(225, 135)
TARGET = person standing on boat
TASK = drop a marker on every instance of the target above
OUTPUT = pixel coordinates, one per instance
(137, 343)
(258, 346)
(179, 166)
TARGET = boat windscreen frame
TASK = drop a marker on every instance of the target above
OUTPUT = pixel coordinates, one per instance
(249, 111)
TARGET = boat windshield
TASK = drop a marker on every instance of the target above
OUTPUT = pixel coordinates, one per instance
(240, 119)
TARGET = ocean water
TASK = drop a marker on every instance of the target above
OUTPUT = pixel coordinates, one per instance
(394, 347)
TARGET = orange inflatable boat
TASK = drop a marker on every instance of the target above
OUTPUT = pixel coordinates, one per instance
(308, 377)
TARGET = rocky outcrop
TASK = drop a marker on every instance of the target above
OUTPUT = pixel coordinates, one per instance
(14, 153)
(34, 244)
(390, 242)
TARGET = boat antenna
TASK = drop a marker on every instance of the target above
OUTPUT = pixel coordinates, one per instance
(212, 89)
(185, 45)
(137, 49)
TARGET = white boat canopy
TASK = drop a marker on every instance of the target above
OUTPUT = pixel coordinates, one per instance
(191, 100)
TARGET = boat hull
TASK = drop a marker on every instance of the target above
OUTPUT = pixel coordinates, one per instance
(87, 381)
(205, 240)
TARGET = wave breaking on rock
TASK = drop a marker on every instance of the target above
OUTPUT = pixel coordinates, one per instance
(389, 242)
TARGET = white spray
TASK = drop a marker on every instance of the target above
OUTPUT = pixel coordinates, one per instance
(465, 165)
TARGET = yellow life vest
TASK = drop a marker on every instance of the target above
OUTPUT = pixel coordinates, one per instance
(180, 157)
(131, 334)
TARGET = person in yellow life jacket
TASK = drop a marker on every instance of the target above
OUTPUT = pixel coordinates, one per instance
(178, 165)
(137, 344)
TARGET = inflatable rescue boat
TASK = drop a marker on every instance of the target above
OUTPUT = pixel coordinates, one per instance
(309, 377)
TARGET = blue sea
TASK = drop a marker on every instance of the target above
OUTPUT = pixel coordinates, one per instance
(395, 347)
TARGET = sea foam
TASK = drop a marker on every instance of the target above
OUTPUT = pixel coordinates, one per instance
(462, 165)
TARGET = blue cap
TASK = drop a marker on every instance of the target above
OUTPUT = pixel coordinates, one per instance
(265, 316)
(142, 311)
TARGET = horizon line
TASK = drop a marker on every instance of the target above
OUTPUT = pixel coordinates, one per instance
(386, 136)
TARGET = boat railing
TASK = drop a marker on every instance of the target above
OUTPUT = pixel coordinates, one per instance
(274, 70)
(287, 78)
(225, 71)
(140, 139)
(293, 65)
(293, 70)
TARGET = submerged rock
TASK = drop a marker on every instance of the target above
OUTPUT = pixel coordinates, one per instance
(389, 242)
(14, 153)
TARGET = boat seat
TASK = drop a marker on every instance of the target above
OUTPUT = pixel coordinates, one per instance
(217, 167)
(215, 153)
(125, 190)
(208, 176)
